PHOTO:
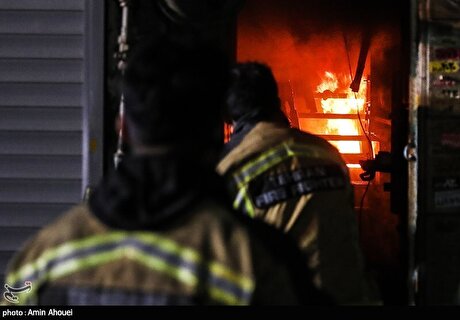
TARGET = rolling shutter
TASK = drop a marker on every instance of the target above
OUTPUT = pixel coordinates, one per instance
(49, 88)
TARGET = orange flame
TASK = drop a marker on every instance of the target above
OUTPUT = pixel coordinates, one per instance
(330, 83)
(349, 105)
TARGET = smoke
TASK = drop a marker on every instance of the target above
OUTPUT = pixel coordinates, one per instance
(300, 63)
(292, 59)
(302, 40)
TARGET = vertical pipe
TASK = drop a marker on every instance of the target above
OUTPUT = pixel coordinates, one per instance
(417, 97)
(121, 55)
(93, 98)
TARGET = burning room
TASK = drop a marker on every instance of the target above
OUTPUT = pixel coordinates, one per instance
(340, 68)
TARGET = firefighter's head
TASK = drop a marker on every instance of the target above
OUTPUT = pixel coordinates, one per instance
(174, 87)
(253, 92)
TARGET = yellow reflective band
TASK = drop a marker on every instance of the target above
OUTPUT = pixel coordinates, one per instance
(244, 175)
(135, 254)
(264, 162)
(274, 156)
(225, 297)
(72, 246)
(169, 246)
(61, 250)
(239, 280)
(43, 269)
(241, 197)
(248, 206)
(71, 266)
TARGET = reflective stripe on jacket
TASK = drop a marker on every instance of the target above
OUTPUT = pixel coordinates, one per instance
(208, 257)
(152, 251)
(300, 184)
(273, 157)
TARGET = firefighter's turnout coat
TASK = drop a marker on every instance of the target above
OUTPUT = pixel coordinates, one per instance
(157, 232)
(300, 184)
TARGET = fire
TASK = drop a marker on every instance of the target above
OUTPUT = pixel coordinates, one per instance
(346, 103)
(330, 83)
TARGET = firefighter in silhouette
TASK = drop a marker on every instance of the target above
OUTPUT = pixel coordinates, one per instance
(294, 181)
(158, 230)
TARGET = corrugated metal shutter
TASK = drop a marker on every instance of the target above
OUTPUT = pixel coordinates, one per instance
(43, 84)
